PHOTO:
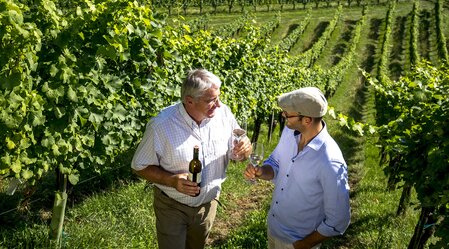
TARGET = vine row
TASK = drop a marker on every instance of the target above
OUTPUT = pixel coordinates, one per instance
(308, 58)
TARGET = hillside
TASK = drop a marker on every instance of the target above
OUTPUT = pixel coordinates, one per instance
(327, 47)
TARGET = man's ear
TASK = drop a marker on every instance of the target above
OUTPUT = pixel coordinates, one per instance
(189, 100)
(308, 120)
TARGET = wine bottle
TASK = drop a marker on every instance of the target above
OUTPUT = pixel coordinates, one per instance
(195, 168)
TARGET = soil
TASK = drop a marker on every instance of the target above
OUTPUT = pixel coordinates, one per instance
(236, 211)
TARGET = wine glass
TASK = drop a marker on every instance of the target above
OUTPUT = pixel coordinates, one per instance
(256, 156)
(237, 135)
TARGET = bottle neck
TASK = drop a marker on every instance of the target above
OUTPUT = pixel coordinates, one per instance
(195, 153)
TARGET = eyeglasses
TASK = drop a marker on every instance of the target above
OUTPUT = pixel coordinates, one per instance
(211, 101)
(285, 115)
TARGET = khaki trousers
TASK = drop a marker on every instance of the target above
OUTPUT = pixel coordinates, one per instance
(274, 243)
(180, 226)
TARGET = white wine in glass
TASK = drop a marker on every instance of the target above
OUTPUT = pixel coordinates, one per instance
(237, 135)
(256, 156)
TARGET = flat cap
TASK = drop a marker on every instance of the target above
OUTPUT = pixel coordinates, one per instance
(307, 101)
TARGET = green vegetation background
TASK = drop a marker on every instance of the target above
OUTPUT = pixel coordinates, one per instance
(115, 210)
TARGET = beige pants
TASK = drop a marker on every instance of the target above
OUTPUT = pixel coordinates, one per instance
(180, 226)
(274, 243)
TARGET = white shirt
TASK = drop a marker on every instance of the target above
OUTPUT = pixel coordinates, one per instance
(169, 140)
(311, 188)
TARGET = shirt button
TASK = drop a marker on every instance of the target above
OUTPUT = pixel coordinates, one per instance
(282, 189)
(287, 175)
(277, 202)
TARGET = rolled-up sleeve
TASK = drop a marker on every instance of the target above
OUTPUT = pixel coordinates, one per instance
(336, 200)
(146, 153)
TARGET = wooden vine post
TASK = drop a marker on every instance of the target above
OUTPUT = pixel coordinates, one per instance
(424, 229)
(57, 220)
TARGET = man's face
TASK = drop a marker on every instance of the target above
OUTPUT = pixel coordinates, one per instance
(204, 106)
(293, 120)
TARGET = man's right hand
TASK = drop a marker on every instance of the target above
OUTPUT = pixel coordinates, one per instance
(182, 185)
(252, 172)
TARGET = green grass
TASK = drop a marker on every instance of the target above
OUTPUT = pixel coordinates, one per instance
(120, 218)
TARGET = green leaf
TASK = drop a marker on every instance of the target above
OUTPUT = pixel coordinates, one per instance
(60, 112)
(55, 150)
(27, 174)
(38, 119)
(74, 179)
(9, 143)
(72, 94)
(331, 112)
(186, 27)
(53, 70)
(107, 51)
(5, 161)
(16, 166)
(119, 113)
(188, 38)
(372, 129)
(358, 127)
(15, 17)
(342, 120)
(95, 119)
(79, 11)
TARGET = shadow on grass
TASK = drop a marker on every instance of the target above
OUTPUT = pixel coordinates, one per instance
(424, 34)
(252, 234)
(291, 28)
(317, 33)
(374, 225)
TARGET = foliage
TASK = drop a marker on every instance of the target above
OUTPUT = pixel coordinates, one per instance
(382, 70)
(441, 39)
(414, 136)
(308, 58)
(78, 83)
(92, 75)
(79, 94)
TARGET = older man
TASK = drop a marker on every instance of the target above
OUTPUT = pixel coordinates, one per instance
(185, 211)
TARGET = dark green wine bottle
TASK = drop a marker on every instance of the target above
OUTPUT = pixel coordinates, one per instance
(195, 168)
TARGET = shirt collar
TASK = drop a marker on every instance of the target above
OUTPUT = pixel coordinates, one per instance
(318, 140)
(189, 120)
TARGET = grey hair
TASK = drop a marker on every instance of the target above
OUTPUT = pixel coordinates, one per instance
(197, 82)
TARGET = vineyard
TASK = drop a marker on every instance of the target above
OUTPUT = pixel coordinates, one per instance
(79, 80)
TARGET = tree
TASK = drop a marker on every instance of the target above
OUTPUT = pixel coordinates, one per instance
(255, 2)
(242, 5)
(304, 2)
(215, 5)
(281, 3)
(200, 5)
(230, 5)
(185, 5)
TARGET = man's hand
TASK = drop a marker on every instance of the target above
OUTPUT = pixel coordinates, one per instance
(252, 172)
(243, 149)
(185, 186)
(309, 241)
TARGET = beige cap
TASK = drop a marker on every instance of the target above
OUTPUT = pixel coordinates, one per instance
(307, 101)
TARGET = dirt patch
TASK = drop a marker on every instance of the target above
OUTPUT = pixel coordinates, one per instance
(236, 211)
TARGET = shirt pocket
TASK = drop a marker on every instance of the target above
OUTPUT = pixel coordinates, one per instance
(219, 146)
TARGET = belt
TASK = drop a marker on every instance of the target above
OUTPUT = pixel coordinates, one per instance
(164, 194)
